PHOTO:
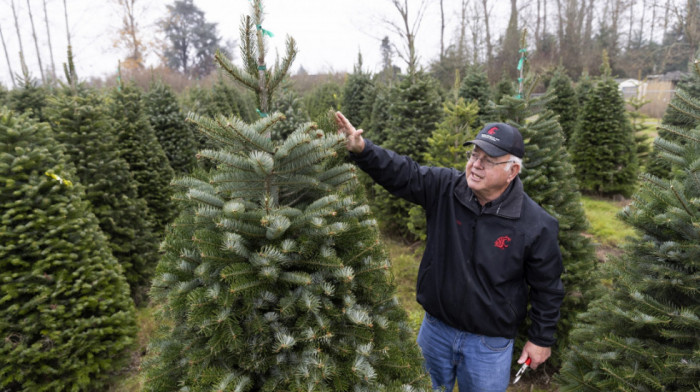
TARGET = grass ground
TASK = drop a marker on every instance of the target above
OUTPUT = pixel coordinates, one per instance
(607, 231)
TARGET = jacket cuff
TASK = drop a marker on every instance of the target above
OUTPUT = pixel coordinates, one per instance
(542, 342)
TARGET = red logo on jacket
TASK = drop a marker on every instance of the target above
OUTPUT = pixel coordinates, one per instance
(502, 242)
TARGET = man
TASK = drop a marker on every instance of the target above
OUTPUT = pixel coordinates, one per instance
(489, 249)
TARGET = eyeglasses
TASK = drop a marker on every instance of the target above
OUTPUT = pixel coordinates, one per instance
(487, 163)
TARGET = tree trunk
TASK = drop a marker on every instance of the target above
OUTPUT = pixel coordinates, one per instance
(48, 36)
(442, 30)
(19, 37)
(36, 44)
(462, 44)
(489, 45)
(65, 12)
(629, 31)
(537, 23)
(7, 58)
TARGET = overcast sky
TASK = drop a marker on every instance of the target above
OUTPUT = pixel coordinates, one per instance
(329, 33)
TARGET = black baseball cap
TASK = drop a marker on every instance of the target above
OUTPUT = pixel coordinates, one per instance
(498, 139)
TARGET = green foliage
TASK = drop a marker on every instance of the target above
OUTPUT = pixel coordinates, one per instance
(66, 318)
(230, 101)
(583, 90)
(603, 147)
(190, 41)
(168, 123)
(445, 148)
(29, 97)
(504, 88)
(642, 334)
(323, 98)
(475, 86)
(637, 119)
(548, 178)
(414, 112)
(358, 96)
(138, 145)
(273, 277)
(565, 103)
(290, 104)
(378, 123)
(81, 124)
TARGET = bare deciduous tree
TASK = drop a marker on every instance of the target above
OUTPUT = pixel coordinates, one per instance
(407, 31)
(19, 36)
(487, 29)
(7, 58)
(48, 36)
(36, 43)
(129, 34)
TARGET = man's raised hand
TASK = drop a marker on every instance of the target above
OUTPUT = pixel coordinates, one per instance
(353, 137)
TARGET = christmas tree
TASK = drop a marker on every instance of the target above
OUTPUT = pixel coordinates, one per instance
(475, 86)
(642, 334)
(138, 145)
(168, 122)
(548, 178)
(414, 111)
(446, 148)
(565, 102)
(81, 124)
(66, 317)
(358, 95)
(603, 147)
(273, 277)
(30, 97)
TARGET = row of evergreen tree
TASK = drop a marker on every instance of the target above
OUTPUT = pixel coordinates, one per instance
(270, 273)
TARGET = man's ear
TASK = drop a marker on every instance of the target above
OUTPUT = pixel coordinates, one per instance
(513, 172)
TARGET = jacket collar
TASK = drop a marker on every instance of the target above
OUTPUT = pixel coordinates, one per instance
(507, 205)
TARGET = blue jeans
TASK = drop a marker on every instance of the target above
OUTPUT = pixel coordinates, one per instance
(479, 363)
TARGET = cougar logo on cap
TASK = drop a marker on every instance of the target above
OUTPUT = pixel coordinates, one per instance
(492, 131)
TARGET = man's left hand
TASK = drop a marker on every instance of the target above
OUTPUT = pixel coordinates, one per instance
(538, 354)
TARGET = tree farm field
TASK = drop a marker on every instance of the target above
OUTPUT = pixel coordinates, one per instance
(607, 231)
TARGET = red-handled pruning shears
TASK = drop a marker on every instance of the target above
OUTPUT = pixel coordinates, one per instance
(522, 370)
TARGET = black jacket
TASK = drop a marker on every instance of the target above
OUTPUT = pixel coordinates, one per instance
(481, 265)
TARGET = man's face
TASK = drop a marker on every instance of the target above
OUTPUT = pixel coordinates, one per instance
(486, 175)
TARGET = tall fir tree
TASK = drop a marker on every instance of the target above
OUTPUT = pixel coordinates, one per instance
(643, 333)
(603, 147)
(548, 178)
(475, 86)
(358, 95)
(379, 117)
(564, 103)
(138, 145)
(30, 97)
(583, 88)
(446, 148)
(504, 88)
(168, 123)
(66, 317)
(414, 112)
(273, 277)
(81, 124)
